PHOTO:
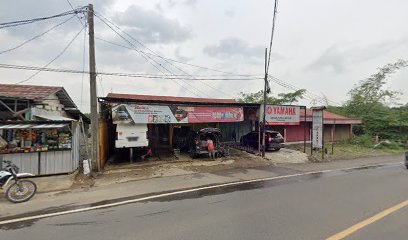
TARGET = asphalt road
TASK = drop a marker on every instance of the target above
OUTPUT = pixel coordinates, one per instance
(315, 206)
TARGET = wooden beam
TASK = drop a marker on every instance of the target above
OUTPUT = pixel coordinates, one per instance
(11, 110)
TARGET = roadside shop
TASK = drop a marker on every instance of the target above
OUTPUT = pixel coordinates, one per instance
(41, 129)
(41, 147)
(169, 120)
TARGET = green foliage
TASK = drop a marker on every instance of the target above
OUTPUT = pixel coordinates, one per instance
(283, 98)
(370, 101)
(390, 145)
(363, 140)
(370, 93)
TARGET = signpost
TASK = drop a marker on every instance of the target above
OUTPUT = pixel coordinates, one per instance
(317, 129)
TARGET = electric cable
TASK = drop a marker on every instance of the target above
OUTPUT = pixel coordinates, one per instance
(55, 58)
(117, 74)
(35, 37)
(146, 58)
(28, 21)
(167, 61)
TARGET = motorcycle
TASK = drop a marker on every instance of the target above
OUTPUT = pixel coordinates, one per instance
(18, 190)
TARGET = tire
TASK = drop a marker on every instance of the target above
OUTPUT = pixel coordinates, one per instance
(406, 166)
(14, 195)
(276, 149)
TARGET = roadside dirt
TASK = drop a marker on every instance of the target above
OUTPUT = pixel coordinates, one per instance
(170, 166)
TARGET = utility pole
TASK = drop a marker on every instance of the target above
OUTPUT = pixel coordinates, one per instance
(264, 104)
(94, 100)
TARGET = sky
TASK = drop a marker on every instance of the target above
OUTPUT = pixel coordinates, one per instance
(324, 46)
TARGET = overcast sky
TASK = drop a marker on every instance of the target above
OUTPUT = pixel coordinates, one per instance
(324, 46)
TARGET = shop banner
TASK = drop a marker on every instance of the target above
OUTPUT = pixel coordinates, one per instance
(281, 115)
(317, 129)
(134, 113)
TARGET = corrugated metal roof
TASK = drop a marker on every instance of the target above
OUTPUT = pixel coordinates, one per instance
(27, 91)
(330, 117)
(32, 126)
(33, 92)
(54, 118)
(169, 98)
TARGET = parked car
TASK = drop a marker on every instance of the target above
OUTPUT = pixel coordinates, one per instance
(273, 140)
(200, 141)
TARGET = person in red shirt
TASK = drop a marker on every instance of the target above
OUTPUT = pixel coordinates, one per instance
(211, 150)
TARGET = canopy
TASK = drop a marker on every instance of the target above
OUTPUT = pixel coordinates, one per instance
(31, 126)
(54, 118)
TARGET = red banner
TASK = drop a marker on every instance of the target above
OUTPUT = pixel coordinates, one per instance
(215, 114)
(156, 114)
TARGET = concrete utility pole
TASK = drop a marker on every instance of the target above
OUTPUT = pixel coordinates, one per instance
(94, 100)
(264, 104)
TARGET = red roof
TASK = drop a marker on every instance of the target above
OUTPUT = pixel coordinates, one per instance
(27, 91)
(169, 98)
(330, 117)
(326, 114)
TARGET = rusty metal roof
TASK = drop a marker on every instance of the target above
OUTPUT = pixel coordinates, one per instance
(330, 117)
(151, 98)
(35, 92)
(28, 92)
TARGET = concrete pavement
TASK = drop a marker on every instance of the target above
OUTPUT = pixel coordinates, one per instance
(315, 206)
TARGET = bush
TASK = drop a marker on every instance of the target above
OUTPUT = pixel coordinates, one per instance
(358, 130)
(363, 140)
(390, 145)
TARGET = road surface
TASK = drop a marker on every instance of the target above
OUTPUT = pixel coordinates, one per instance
(315, 206)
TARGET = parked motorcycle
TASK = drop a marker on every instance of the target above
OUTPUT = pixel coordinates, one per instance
(18, 190)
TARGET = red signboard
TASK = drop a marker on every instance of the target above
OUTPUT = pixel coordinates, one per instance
(156, 114)
(215, 114)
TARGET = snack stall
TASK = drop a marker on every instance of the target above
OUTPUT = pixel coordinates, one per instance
(41, 147)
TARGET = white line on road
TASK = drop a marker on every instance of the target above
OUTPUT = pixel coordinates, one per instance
(108, 205)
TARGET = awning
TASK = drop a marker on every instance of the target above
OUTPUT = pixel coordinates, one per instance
(54, 118)
(32, 126)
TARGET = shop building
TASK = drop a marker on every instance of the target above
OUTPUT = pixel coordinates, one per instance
(41, 129)
(162, 118)
(167, 117)
(336, 128)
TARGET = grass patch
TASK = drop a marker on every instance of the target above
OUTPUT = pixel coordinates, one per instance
(349, 150)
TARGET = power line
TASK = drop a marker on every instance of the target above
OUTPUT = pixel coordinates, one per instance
(164, 58)
(275, 8)
(169, 62)
(118, 74)
(72, 7)
(181, 70)
(310, 95)
(28, 21)
(212, 75)
(35, 37)
(146, 58)
(55, 58)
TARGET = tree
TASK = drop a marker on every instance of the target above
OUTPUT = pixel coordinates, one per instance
(283, 98)
(370, 100)
(371, 93)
